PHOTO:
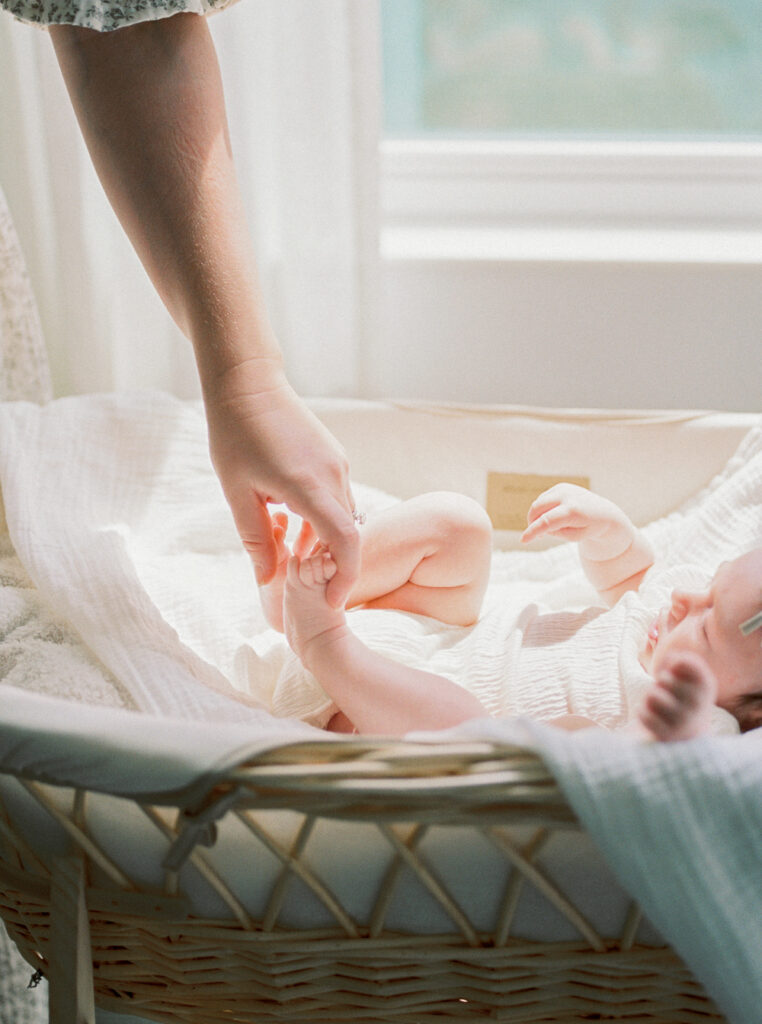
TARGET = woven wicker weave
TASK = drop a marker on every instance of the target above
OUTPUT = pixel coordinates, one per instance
(153, 959)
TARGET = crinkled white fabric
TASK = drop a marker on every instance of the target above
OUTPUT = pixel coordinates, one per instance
(40, 652)
(529, 654)
(117, 519)
(115, 557)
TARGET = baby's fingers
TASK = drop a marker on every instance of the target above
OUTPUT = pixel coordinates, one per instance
(555, 520)
(543, 503)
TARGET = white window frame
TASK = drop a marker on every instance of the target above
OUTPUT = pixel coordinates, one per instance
(577, 200)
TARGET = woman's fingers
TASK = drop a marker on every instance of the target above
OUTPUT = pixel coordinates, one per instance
(255, 528)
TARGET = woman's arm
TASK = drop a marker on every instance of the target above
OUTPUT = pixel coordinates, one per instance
(150, 104)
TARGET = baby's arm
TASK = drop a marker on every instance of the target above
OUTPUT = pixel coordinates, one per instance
(375, 693)
(613, 551)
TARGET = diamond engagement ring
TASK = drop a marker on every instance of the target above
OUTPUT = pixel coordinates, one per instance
(359, 517)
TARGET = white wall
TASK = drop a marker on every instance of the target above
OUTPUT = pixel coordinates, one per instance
(571, 333)
(563, 273)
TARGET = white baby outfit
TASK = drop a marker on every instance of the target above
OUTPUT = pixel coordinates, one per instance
(524, 656)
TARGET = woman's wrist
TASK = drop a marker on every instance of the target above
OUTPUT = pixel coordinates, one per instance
(246, 377)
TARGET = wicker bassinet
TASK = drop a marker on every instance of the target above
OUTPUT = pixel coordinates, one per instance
(100, 935)
(83, 924)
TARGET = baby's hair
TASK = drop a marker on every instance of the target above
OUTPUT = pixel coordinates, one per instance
(748, 711)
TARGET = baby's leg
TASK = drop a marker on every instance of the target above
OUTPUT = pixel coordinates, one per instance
(309, 620)
(429, 555)
(679, 704)
(374, 693)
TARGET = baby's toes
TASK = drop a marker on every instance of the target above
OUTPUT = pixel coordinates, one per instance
(328, 567)
(653, 724)
(664, 705)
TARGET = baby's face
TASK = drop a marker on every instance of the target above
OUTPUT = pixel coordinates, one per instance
(706, 624)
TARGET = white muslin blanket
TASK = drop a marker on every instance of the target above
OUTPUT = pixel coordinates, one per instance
(124, 583)
(119, 535)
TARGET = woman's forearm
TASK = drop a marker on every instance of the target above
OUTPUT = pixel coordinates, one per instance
(381, 696)
(150, 104)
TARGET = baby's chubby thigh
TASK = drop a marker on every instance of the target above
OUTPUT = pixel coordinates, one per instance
(434, 541)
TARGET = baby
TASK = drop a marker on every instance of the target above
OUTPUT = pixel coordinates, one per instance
(431, 555)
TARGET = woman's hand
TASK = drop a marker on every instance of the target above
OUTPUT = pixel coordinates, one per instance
(167, 168)
(266, 446)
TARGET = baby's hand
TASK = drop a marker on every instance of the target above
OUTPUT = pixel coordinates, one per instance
(570, 512)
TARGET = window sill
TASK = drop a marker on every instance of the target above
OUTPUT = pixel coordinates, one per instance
(591, 201)
(571, 245)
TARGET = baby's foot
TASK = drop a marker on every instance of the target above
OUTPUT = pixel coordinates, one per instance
(271, 594)
(679, 704)
(309, 619)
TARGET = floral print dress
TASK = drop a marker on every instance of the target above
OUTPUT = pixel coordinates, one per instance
(105, 15)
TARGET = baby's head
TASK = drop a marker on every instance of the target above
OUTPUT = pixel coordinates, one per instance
(707, 624)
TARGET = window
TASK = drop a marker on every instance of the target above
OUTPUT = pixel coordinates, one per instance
(573, 68)
(567, 119)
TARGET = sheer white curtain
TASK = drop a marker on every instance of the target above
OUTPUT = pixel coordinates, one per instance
(302, 82)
